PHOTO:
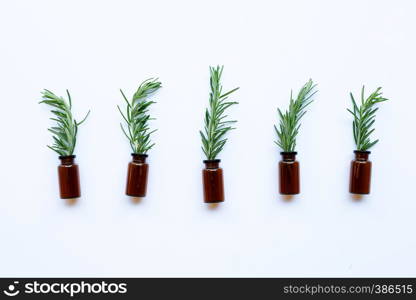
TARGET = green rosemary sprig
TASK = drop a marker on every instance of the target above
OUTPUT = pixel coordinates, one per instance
(64, 134)
(213, 137)
(364, 118)
(137, 117)
(290, 120)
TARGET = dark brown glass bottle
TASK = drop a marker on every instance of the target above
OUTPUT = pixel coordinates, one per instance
(213, 182)
(137, 176)
(68, 175)
(289, 174)
(360, 174)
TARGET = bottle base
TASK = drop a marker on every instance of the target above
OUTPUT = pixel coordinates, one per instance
(136, 195)
(289, 194)
(214, 201)
(359, 193)
(70, 197)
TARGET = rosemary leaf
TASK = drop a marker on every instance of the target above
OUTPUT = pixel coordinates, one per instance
(364, 118)
(136, 116)
(64, 134)
(290, 120)
(216, 127)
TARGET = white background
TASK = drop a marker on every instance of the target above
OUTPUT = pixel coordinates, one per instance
(93, 48)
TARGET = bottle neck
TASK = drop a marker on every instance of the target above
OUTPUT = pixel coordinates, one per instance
(67, 160)
(288, 156)
(212, 164)
(361, 155)
(139, 158)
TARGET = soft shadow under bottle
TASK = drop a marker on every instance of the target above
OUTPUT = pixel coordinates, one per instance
(68, 174)
(137, 176)
(213, 181)
(289, 174)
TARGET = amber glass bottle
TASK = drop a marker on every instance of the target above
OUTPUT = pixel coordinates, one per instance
(68, 175)
(137, 176)
(213, 181)
(289, 174)
(360, 174)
